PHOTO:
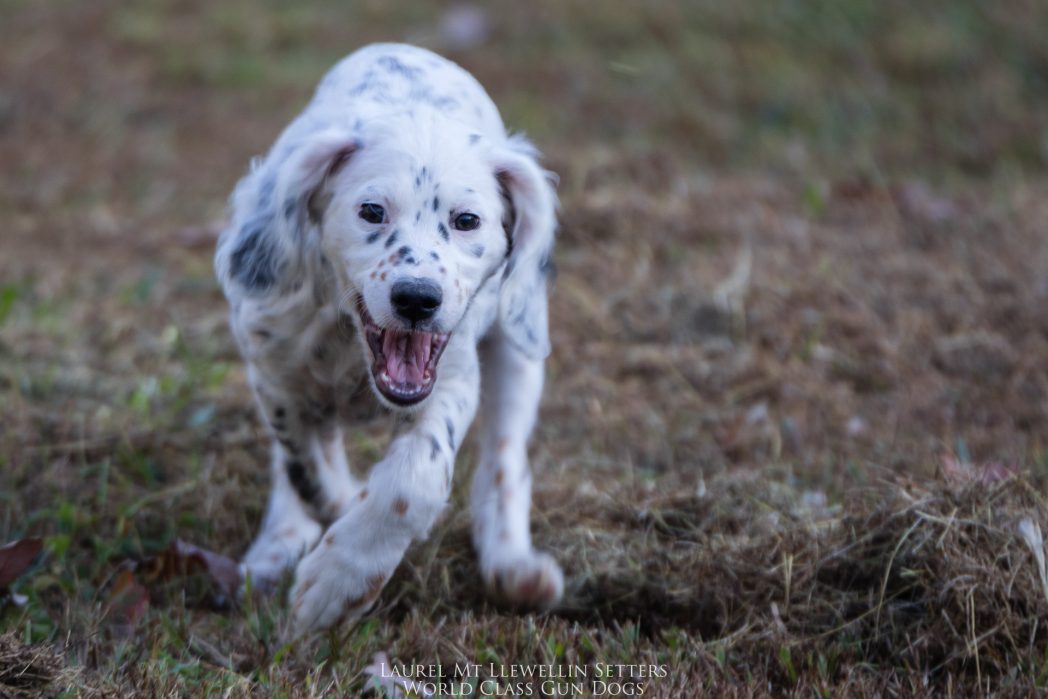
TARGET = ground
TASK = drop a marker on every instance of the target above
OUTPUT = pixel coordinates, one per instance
(794, 436)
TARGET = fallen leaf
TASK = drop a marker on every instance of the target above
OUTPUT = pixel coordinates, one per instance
(15, 557)
(183, 559)
(128, 599)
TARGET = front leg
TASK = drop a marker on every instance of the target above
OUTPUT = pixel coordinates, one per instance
(501, 493)
(403, 496)
(311, 481)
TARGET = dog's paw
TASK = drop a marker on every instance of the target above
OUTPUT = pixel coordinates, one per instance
(276, 551)
(329, 588)
(532, 580)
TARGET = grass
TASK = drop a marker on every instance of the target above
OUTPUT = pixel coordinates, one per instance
(741, 465)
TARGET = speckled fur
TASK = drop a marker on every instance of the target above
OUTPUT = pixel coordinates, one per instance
(403, 126)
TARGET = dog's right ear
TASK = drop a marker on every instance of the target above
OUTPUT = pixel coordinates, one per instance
(273, 209)
(302, 179)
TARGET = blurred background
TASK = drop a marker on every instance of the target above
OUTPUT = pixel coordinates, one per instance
(801, 242)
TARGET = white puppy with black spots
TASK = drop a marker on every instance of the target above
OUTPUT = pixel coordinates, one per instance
(394, 230)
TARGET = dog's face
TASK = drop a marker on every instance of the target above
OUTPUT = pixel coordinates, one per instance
(413, 226)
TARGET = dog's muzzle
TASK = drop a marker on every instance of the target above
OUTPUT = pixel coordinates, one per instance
(404, 362)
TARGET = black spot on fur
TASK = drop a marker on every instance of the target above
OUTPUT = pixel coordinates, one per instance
(473, 138)
(364, 85)
(418, 182)
(410, 260)
(372, 237)
(279, 412)
(290, 207)
(317, 412)
(442, 102)
(476, 250)
(443, 230)
(265, 193)
(436, 203)
(392, 239)
(395, 65)
(418, 216)
(434, 255)
(434, 448)
(301, 482)
(547, 267)
(451, 433)
(404, 251)
(254, 261)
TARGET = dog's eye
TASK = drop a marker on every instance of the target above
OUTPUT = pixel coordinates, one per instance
(466, 222)
(372, 213)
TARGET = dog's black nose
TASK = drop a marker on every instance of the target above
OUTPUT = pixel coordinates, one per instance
(416, 299)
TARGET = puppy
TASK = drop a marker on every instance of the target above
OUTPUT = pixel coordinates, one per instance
(394, 231)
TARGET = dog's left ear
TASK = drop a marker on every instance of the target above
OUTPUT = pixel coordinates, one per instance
(530, 222)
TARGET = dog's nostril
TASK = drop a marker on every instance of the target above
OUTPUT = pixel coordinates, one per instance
(416, 299)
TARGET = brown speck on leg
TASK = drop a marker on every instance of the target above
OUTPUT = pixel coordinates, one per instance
(363, 494)
(502, 444)
(352, 603)
(329, 539)
(499, 475)
(375, 583)
(400, 506)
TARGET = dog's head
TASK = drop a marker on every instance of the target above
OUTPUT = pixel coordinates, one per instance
(415, 216)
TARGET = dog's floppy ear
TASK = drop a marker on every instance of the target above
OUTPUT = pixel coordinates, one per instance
(273, 207)
(303, 175)
(530, 222)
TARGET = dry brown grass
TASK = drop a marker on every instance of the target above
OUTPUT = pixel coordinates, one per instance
(903, 585)
(802, 289)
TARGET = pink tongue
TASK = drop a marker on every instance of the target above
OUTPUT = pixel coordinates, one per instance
(406, 356)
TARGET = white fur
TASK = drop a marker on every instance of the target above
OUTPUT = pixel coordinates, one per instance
(403, 127)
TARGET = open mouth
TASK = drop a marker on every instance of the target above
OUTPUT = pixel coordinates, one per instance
(404, 362)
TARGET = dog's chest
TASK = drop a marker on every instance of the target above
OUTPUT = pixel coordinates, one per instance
(335, 356)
